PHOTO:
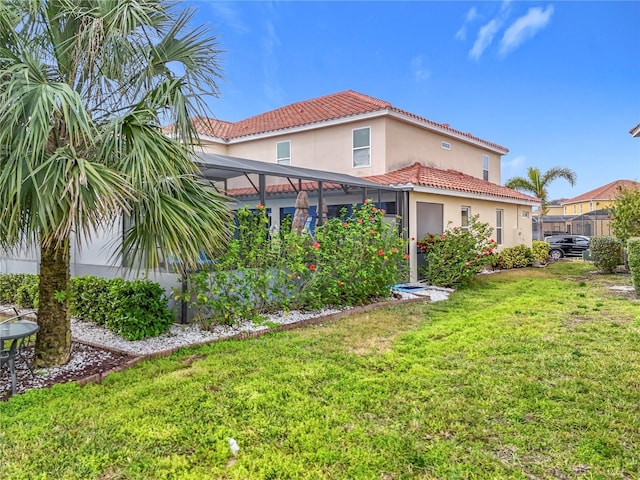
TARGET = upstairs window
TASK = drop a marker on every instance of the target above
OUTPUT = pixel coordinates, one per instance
(362, 147)
(485, 167)
(283, 153)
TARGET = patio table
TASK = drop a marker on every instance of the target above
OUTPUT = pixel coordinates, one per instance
(12, 333)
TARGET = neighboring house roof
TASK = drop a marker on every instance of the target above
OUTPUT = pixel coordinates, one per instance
(606, 192)
(635, 131)
(451, 180)
(336, 106)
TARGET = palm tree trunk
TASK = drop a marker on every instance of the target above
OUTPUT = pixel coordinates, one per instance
(53, 342)
(541, 227)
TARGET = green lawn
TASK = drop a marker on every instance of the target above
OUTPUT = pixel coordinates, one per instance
(529, 374)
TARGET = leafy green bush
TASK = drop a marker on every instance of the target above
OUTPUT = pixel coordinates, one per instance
(625, 216)
(90, 299)
(457, 255)
(139, 309)
(633, 249)
(518, 256)
(606, 253)
(540, 251)
(349, 261)
(20, 289)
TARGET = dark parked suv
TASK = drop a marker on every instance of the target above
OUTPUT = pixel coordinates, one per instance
(567, 245)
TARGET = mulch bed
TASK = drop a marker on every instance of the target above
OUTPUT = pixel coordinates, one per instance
(86, 362)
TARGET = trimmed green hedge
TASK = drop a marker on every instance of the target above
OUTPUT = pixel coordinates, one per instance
(633, 255)
(133, 309)
(540, 251)
(606, 253)
(20, 289)
(519, 256)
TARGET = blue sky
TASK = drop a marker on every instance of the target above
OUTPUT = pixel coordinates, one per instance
(558, 83)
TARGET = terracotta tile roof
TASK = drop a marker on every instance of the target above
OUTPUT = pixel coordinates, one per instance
(606, 192)
(308, 112)
(420, 175)
(282, 189)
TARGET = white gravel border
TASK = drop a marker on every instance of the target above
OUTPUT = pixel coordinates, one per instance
(185, 335)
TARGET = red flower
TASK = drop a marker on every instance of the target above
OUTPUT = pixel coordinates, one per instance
(372, 231)
(259, 206)
(412, 239)
(359, 220)
(345, 224)
(444, 235)
(383, 211)
(316, 245)
(366, 202)
(312, 267)
(371, 219)
(467, 263)
(406, 256)
(374, 210)
(394, 249)
(340, 283)
(380, 252)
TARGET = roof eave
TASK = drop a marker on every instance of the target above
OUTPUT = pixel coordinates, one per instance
(476, 196)
(448, 132)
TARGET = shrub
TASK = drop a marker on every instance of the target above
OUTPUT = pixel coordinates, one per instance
(20, 289)
(633, 249)
(518, 256)
(90, 299)
(625, 221)
(540, 251)
(27, 294)
(457, 255)
(606, 253)
(139, 309)
(350, 260)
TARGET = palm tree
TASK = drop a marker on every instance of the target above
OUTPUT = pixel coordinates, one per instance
(84, 87)
(536, 183)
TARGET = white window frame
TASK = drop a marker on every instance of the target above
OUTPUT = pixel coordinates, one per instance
(499, 225)
(445, 145)
(465, 208)
(360, 148)
(485, 167)
(283, 160)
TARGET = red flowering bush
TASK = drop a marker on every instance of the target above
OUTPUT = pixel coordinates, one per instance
(454, 257)
(350, 261)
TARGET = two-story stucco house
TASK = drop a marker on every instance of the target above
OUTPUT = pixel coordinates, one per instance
(446, 175)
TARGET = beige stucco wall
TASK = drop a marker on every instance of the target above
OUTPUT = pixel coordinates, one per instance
(516, 219)
(407, 144)
(327, 148)
(394, 145)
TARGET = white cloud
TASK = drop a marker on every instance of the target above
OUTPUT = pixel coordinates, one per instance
(271, 44)
(484, 38)
(514, 166)
(420, 72)
(524, 28)
(472, 14)
(224, 13)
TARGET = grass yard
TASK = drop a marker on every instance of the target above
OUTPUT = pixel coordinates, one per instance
(531, 374)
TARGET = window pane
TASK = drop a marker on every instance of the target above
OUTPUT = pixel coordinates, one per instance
(284, 149)
(464, 217)
(361, 138)
(361, 157)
